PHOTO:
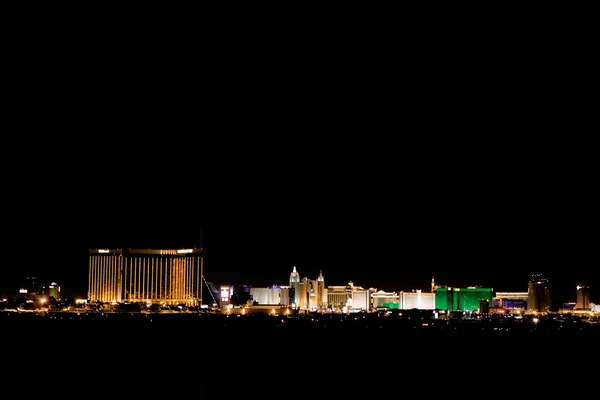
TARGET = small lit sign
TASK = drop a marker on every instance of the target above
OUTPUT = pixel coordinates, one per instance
(225, 293)
(102, 251)
(182, 251)
(22, 290)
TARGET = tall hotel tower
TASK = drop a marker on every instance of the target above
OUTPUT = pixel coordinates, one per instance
(583, 297)
(295, 285)
(539, 293)
(146, 276)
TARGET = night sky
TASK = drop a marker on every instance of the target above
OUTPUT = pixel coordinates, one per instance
(383, 215)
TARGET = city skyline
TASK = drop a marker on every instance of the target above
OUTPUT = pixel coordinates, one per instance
(254, 233)
(299, 274)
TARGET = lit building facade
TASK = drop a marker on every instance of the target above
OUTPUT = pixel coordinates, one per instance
(361, 300)
(338, 297)
(462, 299)
(583, 298)
(349, 298)
(383, 299)
(270, 295)
(170, 277)
(511, 300)
(105, 279)
(285, 294)
(417, 299)
(225, 295)
(303, 293)
(321, 292)
(54, 291)
(539, 294)
(308, 294)
(279, 295)
(295, 285)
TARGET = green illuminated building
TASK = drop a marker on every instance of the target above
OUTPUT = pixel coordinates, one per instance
(462, 299)
(391, 304)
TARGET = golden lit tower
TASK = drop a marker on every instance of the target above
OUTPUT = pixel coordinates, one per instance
(539, 293)
(583, 297)
(304, 294)
(105, 276)
(146, 276)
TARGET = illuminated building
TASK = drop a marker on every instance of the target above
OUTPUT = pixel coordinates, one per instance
(225, 296)
(337, 297)
(105, 280)
(583, 298)
(349, 298)
(321, 291)
(361, 299)
(285, 295)
(383, 299)
(308, 294)
(303, 293)
(316, 293)
(295, 285)
(539, 294)
(270, 295)
(146, 276)
(511, 300)
(417, 299)
(54, 291)
(279, 295)
(462, 299)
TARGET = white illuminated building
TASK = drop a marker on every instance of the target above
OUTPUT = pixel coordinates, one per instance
(417, 299)
(270, 295)
(385, 299)
(360, 300)
(295, 285)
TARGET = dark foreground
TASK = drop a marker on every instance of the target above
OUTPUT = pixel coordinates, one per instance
(202, 356)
